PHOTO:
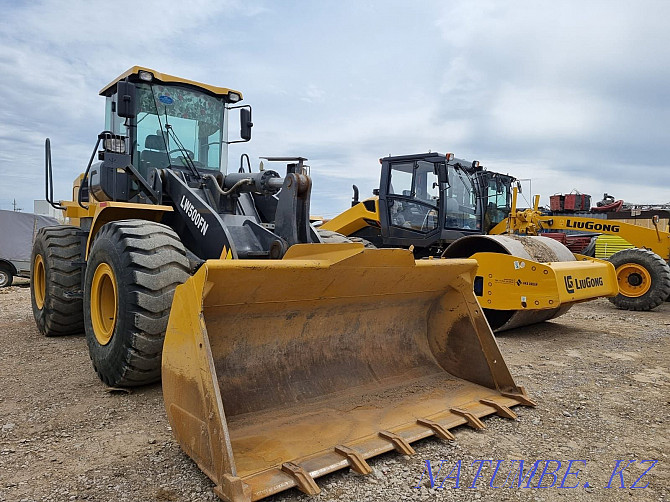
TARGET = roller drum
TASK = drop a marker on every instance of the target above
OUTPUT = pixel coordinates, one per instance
(539, 249)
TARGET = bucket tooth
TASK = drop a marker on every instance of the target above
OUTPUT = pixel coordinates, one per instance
(303, 479)
(233, 489)
(472, 420)
(399, 443)
(501, 411)
(521, 397)
(440, 430)
(356, 460)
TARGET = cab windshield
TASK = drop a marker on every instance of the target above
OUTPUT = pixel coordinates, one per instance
(461, 202)
(196, 118)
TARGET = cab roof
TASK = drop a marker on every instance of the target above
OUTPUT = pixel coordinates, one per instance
(133, 76)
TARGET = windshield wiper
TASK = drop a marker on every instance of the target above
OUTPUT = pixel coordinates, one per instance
(186, 158)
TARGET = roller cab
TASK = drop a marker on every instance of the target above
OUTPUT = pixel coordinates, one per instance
(277, 372)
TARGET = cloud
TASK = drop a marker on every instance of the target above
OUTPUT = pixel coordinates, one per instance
(313, 93)
(569, 94)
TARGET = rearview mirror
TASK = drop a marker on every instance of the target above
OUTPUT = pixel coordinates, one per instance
(125, 100)
(441, 170)
(245, 123)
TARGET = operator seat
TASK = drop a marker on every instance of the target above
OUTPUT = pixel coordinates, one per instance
(154, 154)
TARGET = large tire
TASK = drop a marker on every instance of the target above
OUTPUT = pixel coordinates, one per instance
(365, 242)
(6, 276)
(643, 277)
(133, 269)
(55, 281)
(330, 237)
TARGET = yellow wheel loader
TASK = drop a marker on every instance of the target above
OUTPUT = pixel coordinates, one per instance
(440, 206)
(642, 273)
(282, 358)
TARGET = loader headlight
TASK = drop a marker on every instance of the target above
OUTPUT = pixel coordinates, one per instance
(147, 76)
(114, 145)
(234, 97)
(450, 157)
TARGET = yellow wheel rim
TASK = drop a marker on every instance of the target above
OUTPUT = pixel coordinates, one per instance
(39, 281)
(634, 280)
(103, 303)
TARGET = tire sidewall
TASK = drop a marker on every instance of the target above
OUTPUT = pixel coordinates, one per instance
(107, 359)
(6, 277)
(40, 314)
(658, 275)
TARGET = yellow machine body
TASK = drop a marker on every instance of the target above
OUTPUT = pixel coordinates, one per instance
(642, 272)
(277, 372)
(513, 283)
(531, 221)
(274, 371)
(359, 216)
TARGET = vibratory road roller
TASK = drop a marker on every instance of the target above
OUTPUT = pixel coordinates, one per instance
(443, 207)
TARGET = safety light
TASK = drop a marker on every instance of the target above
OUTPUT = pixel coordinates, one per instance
(147, 76)
(450, 156)
(234, 97)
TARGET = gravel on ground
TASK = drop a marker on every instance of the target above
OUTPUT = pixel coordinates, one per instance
(600, 376)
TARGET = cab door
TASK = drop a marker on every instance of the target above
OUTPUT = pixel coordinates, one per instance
(410, 202)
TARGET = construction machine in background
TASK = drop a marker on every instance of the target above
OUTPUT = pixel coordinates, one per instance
(440, 206)
(282, 358)
(642, 273)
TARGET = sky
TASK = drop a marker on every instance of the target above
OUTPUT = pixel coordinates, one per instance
(571, 95)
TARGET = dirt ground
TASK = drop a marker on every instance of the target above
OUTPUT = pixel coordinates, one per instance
(600, 376)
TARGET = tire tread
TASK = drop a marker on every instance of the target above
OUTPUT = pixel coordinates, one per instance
(62, 313)
(154, 262)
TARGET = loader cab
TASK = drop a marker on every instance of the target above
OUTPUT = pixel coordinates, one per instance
(169, 119)
(426, 199)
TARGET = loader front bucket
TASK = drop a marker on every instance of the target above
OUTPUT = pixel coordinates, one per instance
(278, 372)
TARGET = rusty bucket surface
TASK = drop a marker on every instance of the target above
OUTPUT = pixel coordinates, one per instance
(278, 372)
